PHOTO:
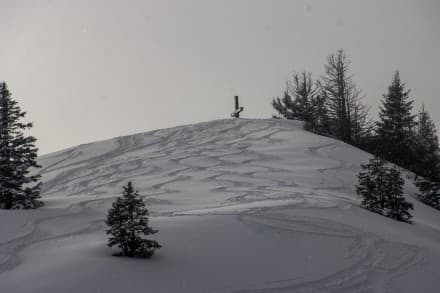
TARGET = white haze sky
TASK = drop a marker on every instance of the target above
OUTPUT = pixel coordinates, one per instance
(89, 70)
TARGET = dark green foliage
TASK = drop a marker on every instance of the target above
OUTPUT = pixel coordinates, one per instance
(381, 189)
(426, 147)
(397, 207)
(319, 122)
(371, 185)
(18, 154)
(332, 106)
(409, 144)
(128, 222)
(286, 107)
(395, 128)
(301, 101)
(429, 192)
(348, 116)
(427, 167)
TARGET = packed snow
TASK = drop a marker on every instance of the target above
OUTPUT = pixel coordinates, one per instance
(241, 205)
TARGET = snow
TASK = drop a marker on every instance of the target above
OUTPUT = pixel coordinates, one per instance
(242, 205)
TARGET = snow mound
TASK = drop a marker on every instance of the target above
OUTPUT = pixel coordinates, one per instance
(242, 205)
(213, 164)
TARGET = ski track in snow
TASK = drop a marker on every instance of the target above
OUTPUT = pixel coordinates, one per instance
(374, 261)
(250, 168)
(11, 249)
(111, 167)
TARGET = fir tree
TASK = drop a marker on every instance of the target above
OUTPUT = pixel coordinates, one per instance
(426, 147)
(395, 128)
(381, 189)
(18, 189)
(320, 121)
(397, 207)
(429, 192)
(128, 222)
(371, 185)
(348, 115)
(427, 167)
(301, 101)
(286, 107)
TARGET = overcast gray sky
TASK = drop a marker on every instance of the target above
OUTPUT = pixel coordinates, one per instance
(87, 70)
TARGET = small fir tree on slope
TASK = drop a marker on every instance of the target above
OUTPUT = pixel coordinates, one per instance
(18, 189)
(429, 192)
(128, 222)
(381, 189)
(427, 166)
(397, 207)
(371, 185)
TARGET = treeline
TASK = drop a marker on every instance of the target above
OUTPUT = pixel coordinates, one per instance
(331, 106)
(334, 106)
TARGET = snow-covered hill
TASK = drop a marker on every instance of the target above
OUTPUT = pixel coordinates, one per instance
(241, 206)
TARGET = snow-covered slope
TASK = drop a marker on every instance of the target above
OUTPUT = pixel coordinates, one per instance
(241, 205)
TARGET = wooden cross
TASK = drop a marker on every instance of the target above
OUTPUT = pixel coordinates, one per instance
(238, 110)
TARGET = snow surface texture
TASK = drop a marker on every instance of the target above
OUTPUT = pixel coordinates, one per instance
(241, 206)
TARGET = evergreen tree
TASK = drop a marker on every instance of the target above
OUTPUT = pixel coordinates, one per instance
(381, 189)
(395, 128)
(128, 222)
(397, 207)
(428, 164)
(348, 116)
(320, 122)
(18, 189)
(286, 107)
(429, 192)
(371, 185)
(426, 147)
(301, 101)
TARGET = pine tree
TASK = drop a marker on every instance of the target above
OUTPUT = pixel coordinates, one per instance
(128, 222)
(348, 116)
(395, 128)
(286, 107)
(371, 185)
(427, 167)
(397, 207)
(429, 192)
(301, 101)
(381, 189)
(320, 121)
(426, 147)
(18, 189)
